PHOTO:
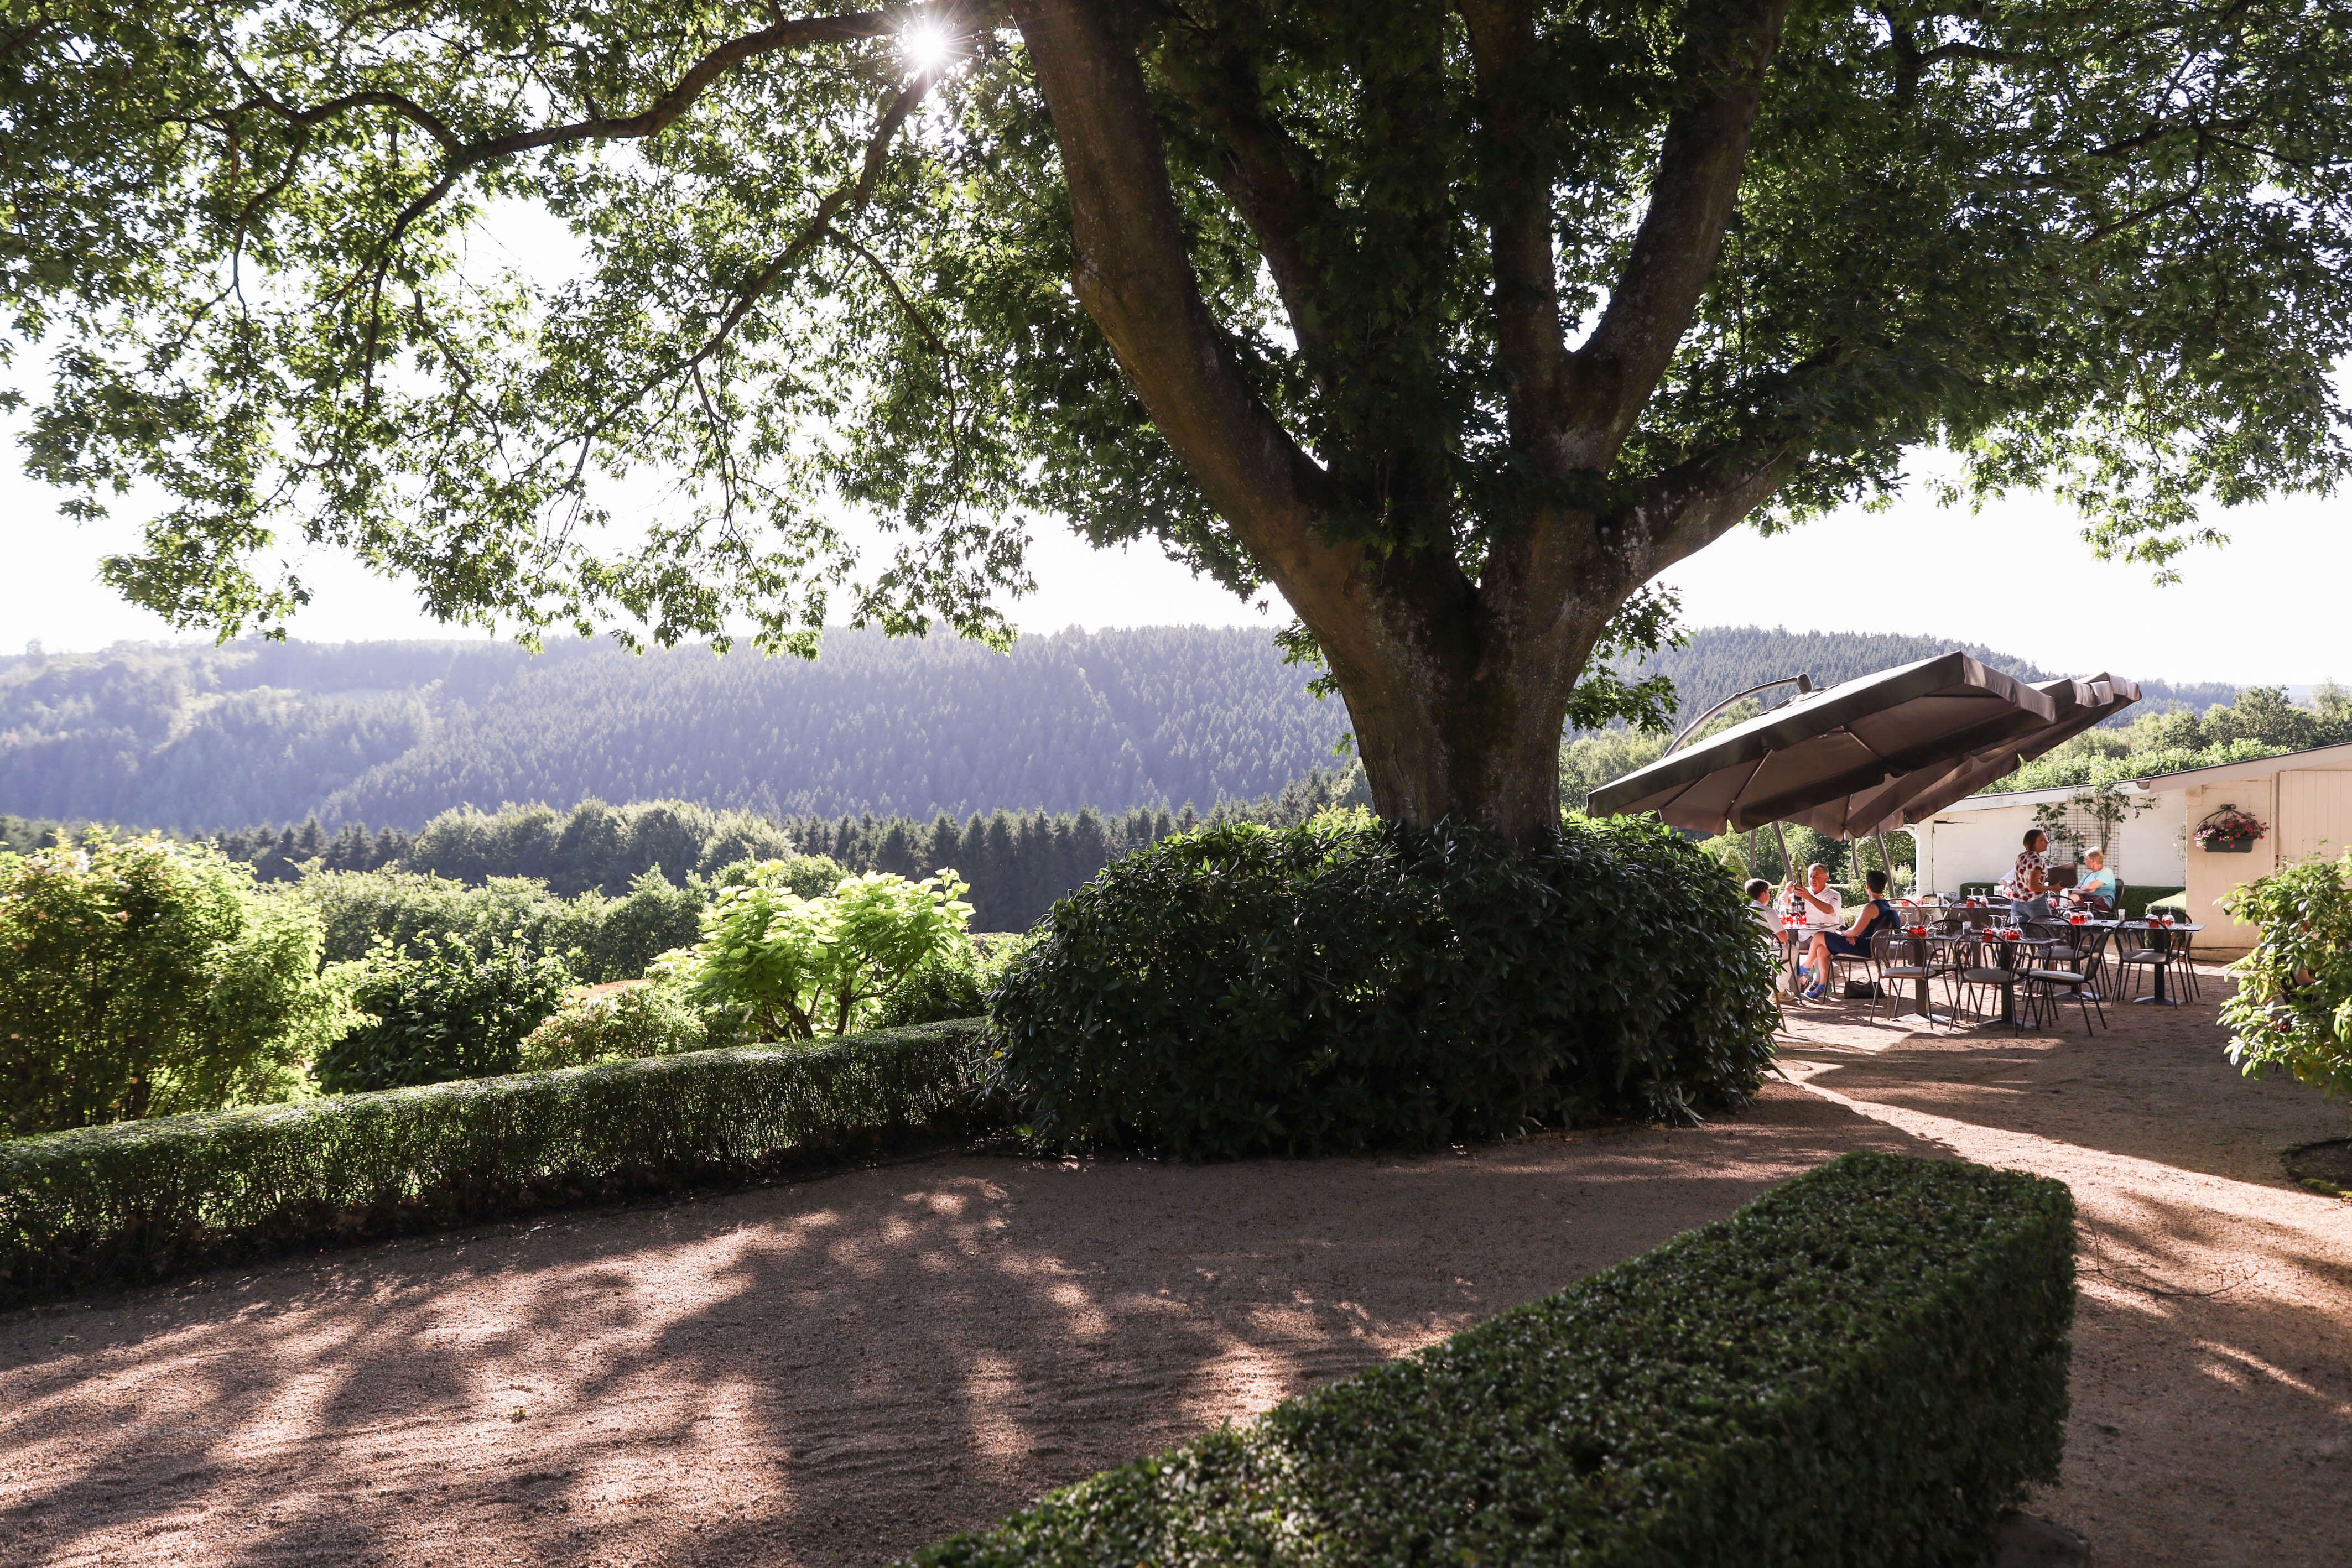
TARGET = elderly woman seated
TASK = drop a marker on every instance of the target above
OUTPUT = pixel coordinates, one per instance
(1854, 941)
(2098, 886)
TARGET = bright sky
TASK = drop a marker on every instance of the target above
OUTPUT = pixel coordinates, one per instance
(2264, 609)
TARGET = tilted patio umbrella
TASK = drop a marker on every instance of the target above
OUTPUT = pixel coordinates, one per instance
(1913, 798)
(1822, 757)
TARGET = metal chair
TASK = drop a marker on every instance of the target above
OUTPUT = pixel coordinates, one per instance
(1840, 962)
(1902, 958)
(2184, 963)
(2143, 952)
(2071, 974)
(1981, 976)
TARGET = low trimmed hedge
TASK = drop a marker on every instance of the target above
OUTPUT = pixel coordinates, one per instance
(1865, 1366)
(138, 1200)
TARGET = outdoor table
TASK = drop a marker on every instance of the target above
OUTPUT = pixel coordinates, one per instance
(1922, 1013)
(2005, 949)
(2159, 938)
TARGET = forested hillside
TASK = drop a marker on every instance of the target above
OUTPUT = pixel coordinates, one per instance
(393, 734)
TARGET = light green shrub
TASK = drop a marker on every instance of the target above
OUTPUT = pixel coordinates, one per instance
(146, 979)
(599, 938)
(646, 1018)
(784, 966)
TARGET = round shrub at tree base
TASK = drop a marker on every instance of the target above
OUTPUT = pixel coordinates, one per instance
(1244, 991)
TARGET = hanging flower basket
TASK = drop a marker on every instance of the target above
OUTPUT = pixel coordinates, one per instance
(2229, 832)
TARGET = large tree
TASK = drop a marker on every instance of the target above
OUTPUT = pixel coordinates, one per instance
(1455, 324)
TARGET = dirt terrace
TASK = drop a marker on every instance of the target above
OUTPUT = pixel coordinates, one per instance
(837, 1371)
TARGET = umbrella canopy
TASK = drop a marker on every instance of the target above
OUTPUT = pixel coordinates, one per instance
(1817, 759)
(1917, 795)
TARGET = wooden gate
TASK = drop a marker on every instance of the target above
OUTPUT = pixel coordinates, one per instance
(2315, 815)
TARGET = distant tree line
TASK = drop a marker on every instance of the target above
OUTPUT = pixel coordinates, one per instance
(396, 734)
(1018, 864)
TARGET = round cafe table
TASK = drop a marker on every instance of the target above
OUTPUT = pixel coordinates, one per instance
(2160, 939)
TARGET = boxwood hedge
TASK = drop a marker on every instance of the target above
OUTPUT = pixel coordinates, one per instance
(1863, 1367)
(137, 1200)
(1242, 990)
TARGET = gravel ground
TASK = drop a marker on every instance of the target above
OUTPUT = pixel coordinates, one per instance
(2213, 1391)
(837, 1371)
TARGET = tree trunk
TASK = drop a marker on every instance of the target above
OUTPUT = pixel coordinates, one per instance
(1458, 689)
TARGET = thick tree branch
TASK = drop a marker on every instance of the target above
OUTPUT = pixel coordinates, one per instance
(1675, 250)
(1134, 276)
(1518, 224)
(1259, 173)
(1696, 502)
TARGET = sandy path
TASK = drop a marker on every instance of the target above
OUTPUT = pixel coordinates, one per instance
(2213, 1391)
(828, 1372)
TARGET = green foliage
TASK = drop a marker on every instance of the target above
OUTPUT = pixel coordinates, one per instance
(141, 978)
(599, 938)
(798, 291)
(953, 982)
(783, 965)
(805, 876)
(1307, 990)
(1863, 1368)
(2293, 1006)
(136, 1202)
(2138, 900)
(446, 1009)
(646, 1018)
(2065, 767)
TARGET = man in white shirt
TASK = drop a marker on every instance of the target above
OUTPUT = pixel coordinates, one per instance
(1822, 907)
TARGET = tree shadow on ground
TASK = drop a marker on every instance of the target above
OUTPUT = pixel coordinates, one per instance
(828, 1372)
(2155, 1084)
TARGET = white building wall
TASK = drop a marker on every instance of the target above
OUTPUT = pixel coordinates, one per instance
(2151, 848)
(1981, 846)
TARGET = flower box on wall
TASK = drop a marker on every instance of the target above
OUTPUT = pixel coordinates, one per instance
(2228, 832)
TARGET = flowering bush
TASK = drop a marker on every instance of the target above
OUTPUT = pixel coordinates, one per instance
(2292, 1008)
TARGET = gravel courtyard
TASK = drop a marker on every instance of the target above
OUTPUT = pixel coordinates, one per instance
(837, 1371)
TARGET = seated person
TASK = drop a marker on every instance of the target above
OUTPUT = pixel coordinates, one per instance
(1854, 943)
(1759, 905)
(1822, 907)
(2099, 885)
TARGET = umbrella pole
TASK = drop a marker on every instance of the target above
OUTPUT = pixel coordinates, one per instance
(1885, 861)
(1788, 866)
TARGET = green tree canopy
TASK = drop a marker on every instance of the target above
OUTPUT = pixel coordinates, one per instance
(1455, 324)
